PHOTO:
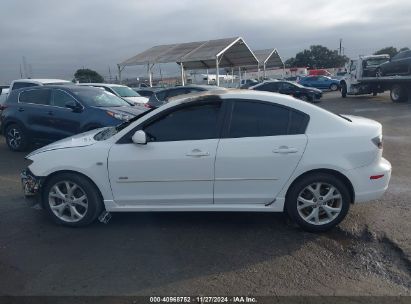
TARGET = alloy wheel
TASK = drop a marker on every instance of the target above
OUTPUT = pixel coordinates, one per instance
(14, 138)
(319, 203)
(68, 201)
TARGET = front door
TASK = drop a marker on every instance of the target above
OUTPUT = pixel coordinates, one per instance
(259, 151)
(176, 166)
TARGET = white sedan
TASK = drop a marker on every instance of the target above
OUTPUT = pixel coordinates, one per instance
(216, 151)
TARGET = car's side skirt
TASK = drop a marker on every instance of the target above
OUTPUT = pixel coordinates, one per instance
(277, 206)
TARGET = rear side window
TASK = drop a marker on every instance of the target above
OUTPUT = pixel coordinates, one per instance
(40, 97)
(20, 85)
(256, 119)
(160, 95)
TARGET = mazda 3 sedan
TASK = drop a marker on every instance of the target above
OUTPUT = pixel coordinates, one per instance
(216, 151)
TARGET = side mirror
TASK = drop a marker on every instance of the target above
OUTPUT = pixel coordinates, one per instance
(139, 137)
(72, 105)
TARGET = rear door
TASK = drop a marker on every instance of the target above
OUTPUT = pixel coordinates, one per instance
(34, 108)
(260, 148)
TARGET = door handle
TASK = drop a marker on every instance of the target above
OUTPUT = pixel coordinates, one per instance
(285, 150)
(21, 109)
(197, 153)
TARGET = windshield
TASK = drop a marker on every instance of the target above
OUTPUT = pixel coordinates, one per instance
(99, 98)
(125, 92)
(375, 62)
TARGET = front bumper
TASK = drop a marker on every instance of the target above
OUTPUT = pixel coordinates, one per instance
(31, 184)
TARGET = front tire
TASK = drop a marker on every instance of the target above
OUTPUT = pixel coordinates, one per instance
(318, 202)
(16, 138)
(343, 90)
(379, 73)
(72, 200)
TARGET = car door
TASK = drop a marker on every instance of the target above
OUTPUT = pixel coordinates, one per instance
(33, 108)
(64, 121)
(176, 166)
(323, 82)
(287, 89)
(260, 148)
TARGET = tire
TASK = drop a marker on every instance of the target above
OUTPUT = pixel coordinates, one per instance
(298, 195)
(333, 87)
(374, 93)
(343, 90)
(379, 73)
(59, 206)
(398, 93)
(304, 98)
(16, 138)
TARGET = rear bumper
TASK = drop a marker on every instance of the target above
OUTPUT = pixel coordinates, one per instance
(367, 188)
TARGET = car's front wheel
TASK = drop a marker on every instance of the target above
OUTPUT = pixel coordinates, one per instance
(71, 199)
(318, 202)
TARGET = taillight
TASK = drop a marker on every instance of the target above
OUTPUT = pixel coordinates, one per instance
(377, 141)
(147, 106)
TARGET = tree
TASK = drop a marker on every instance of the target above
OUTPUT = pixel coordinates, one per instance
(317, 57)
(87, 76)
(390, 50)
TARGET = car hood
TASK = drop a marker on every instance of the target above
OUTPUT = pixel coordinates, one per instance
(79, 140)
(136, 100)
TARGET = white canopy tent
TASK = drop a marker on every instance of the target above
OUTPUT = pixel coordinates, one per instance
(268, 58)
(210, 54)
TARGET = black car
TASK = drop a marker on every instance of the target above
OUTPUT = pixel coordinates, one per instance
(400, 64)
(161, 97)
(290, 88)
(145, 92)
(49, 113)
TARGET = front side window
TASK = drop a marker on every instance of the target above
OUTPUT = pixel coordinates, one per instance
(61, 98)
(40, 97)
(194, 122)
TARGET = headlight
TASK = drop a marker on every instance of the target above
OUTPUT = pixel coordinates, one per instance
(123, 117)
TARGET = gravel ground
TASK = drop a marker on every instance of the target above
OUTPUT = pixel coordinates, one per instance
(217, 254)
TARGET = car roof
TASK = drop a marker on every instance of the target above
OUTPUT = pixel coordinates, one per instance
(111, 85)
(42, 81)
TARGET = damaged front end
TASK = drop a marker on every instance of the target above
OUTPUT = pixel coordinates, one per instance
(31, 184)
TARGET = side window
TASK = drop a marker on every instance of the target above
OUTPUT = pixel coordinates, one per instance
(287, 86)
(298, 123)
(253, 119)
(20, 85)
(60, 98)
(193, 122)
(40, 96)
(161, 95)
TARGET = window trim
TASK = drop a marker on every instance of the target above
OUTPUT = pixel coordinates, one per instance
(229, 115)
(127, 138)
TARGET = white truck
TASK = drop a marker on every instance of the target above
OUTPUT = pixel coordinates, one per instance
(361, 79)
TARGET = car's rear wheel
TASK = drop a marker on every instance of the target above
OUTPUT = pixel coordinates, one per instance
(333, 87)
(304, 97)
(318, 202)
(16, 138)
(71, 199)
(398, 93)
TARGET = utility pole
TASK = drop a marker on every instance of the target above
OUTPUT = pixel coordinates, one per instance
(340, 46)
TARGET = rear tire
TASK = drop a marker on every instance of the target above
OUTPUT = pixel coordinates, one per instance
(71, 199)
(321, 208)
(16, 138)
(398, 93)
(343, 90)
(333, 87)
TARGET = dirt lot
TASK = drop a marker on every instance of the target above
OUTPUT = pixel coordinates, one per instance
(217, 254)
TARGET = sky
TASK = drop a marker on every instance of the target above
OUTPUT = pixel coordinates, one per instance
(57, 37)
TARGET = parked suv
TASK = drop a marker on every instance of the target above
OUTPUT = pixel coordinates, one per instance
(50, 113)
(25, 83)
(400, 64)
